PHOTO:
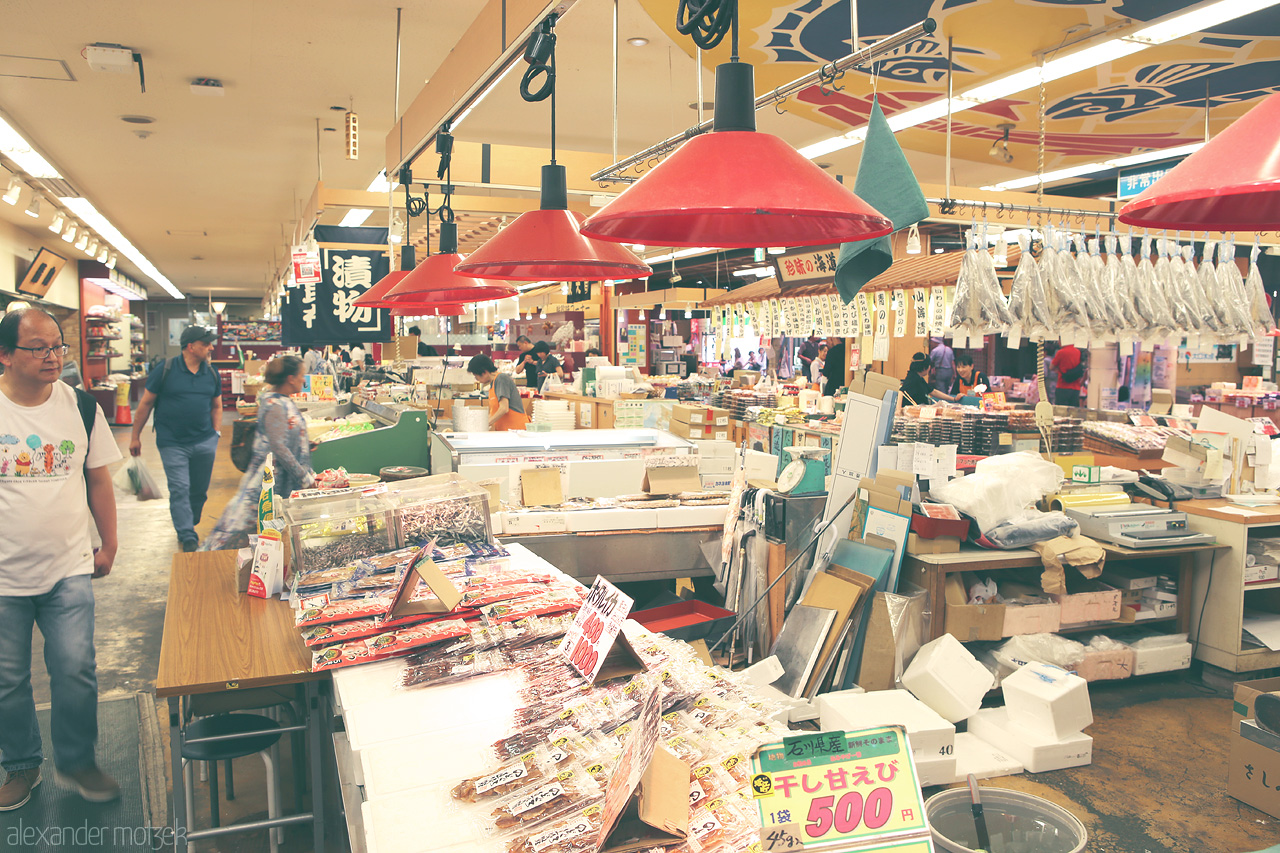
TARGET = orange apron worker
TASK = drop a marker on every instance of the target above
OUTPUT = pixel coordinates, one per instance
(506, 409)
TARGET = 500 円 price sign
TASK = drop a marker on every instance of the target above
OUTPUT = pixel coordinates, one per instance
(587, 642)
(840, 790)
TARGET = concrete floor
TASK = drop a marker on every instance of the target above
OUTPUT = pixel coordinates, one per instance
(1156, 785)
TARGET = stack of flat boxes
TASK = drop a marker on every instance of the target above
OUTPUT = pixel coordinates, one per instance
(715, 463)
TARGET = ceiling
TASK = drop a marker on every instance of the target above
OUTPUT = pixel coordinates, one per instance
(212, 193)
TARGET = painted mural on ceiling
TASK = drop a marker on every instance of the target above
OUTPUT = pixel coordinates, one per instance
(1153, 99)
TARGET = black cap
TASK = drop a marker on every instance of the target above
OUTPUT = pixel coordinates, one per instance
(191, 334)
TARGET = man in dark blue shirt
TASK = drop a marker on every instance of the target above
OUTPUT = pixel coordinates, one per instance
(186, 393)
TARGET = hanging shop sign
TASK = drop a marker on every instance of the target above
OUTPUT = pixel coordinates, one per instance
(324, 312)
(899, 314)
(1133, 182)
(306, 266)
(937, 311)
(920, 312)
(839, 790)
(806, 267)
(579, 291)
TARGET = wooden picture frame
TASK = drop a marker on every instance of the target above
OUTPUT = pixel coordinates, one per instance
(39, 277)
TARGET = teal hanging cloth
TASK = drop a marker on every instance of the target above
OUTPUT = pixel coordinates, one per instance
(886, 182)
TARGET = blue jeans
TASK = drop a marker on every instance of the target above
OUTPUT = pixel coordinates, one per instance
(65, 617)
(188, 467)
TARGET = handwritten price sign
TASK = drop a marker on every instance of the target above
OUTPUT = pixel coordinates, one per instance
(838, 789)
(587, 642)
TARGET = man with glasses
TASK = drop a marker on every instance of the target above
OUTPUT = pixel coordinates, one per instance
(53, 477)
(186, 393)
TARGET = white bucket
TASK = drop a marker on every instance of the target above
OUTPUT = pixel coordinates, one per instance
(1016, 822)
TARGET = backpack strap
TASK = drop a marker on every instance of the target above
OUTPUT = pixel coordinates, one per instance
(88, 413)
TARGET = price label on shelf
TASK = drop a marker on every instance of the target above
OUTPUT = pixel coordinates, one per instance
(587, 642)
(848, 789)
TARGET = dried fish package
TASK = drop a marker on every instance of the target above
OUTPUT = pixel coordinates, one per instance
(1264, 322)
(1072, 320)
(1102, 301)
(1028, 303)
(965, 316)
(1206, 284)
(1118, 284)
(1188, 282)
(986, 285)
(1168, 285)
(1150, 298)
(1231, 289)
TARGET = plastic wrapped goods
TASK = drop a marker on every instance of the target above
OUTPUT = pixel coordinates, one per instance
(1028, 302)
(1205, 282)
(1063, 279)
(986, 284)
(1001, 487)
(1155, 309)
(1030, 527)
(1167, 284)
(1231, 289)
(1264, 322)
(1115, 282)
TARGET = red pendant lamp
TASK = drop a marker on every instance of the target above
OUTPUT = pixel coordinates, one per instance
(546, 244)
(736, 187)
(417, 309)
(434, 281)
(1231, 184)
(374, 297)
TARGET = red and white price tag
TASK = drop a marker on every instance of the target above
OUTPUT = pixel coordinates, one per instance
(587, 642)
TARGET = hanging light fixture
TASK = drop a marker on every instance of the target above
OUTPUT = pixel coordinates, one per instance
(33, 209)
(375, 296)
(546, 244)
(735, 187)
(58, 222)
(1231, 184)
(434, 281)
(395, 233)
(70, 234)
(420, 310)
(15, 189)
(913, 240)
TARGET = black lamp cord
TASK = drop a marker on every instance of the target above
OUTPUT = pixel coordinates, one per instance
(540, 53)
(708, 21)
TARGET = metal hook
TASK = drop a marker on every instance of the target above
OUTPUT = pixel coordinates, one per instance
(826, 77)
(777, 104)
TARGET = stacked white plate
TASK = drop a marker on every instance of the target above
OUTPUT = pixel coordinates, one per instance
(558, 414)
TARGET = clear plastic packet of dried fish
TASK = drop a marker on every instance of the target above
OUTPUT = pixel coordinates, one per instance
(1072, 319)
(1189, 280)
(1204, 280)
(568, 790)
(1231, 286)
(526, 769)
(451, 668)
(964, 317)
(1264, 323)
(994, 309)
(573, 832)
(1150, 297)
(1100, 321)
(1117, 283)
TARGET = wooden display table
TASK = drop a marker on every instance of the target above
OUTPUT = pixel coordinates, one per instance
(218, 640)
(930, 571)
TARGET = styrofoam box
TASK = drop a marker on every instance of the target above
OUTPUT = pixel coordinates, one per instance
(761, 465)
(936, 771)
(604, 478)
(1161, 658)
(1047, 700)
(1037, 753)
(495, 522)
(691, 516)
(983, 760)
(518, 523)
(948, 678)
(930, 735)
(590, 520)
(722, 465)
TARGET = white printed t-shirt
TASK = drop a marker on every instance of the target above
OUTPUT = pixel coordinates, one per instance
(44, 508)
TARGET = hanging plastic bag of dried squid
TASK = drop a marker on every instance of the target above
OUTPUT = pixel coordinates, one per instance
(1264, 322)
(1231, 289)
(986, 285)
(1206, 285)
(1188, 282)
(1151, 301)
(964, 321)
(1072, 319)
(1103, 307)
(1168, 285)
(1028, 302)
(1116, 282)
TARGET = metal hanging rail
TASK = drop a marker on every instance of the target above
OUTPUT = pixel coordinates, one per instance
(961, 206)
(823, 75)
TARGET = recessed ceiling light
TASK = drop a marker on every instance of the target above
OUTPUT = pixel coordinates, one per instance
(637, 41)
(138, 119)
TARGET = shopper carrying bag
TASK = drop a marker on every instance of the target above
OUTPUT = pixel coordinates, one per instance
(281, 432)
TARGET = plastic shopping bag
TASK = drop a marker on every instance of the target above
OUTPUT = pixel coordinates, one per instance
(135, 478)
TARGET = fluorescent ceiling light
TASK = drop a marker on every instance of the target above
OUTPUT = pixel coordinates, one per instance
(515, 60)
(757, 271)
(1103, 166)
(1168, 29)
(17, 149)
(380, 184)
(355, 217)
(83, 208)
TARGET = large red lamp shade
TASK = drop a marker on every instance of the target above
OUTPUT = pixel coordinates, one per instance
(409, 308)
(434, 280)
(1231, 184)
(546, 245)
(374, 296)
(736, 188)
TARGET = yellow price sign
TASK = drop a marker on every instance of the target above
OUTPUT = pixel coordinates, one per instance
(846, 787)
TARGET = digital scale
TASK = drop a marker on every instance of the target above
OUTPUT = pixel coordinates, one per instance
(1138, 526)
(806, 473)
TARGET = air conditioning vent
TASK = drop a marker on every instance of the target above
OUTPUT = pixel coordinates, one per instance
(59, 188)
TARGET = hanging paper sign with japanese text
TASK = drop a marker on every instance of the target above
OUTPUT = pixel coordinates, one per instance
(937, 311)
(829, 309)
(882, 314)
(324, 312)
(899, 314)
(806, 267)
(587, 642)
(865, 314)
(839, 790)
(918, 297)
